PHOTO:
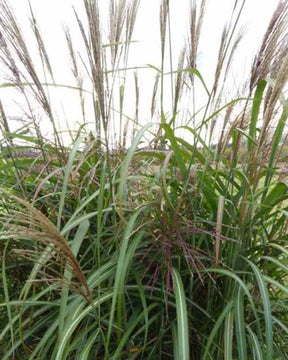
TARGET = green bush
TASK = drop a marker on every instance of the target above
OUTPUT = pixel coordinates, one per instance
(175, 251)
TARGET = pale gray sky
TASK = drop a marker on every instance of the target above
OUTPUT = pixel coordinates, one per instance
(52, 15)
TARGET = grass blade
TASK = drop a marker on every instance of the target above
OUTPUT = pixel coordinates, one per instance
(178, 152)
(255, 114)
(267, 309)
(275, 145)
(122, 266)
(257, 351)
(76, 321)
(227, 309)
(6, 294)
(220, 212)
(182, 318)
(228, 336)
(68, 171)
(240, 324)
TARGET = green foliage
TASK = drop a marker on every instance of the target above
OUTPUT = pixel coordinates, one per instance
(178, 250)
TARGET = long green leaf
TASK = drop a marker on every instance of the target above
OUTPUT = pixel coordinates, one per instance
(127, 334)
(255, 114)
(228, 336)
(84, 355)
(6, 294)
(257, 351)
(178, 152)
(182, 318)
(278, 194)
(195, 72)
(77, 241)
(267, 309)
(175, 342)
(76, 321)
(240, 324)
(122, 266)
(227, 309)
(126, 163)
(236, 278)
(275, 145)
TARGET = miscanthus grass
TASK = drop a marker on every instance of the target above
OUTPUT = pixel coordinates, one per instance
(173, 250)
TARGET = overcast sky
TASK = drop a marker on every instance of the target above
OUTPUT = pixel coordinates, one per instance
(52, 15)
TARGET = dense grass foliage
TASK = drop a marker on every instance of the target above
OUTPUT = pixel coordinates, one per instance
(173, 251)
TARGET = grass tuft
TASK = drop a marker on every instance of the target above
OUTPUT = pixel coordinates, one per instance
(157, 237)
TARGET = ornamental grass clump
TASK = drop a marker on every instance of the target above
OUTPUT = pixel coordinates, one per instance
(157, 240)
